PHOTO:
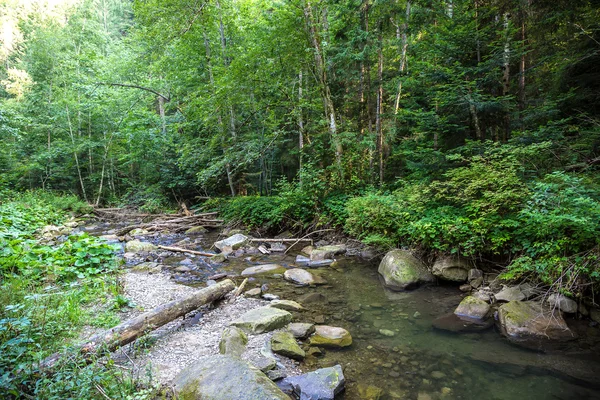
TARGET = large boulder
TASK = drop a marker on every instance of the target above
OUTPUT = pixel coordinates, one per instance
(327, 252)
(532, 325)
(233, 342)
(322, 384)
(232, 243)
(472, 307)
(263, 269)
(263, 319)
(452, 268)
(302, 277)
(562, 303)
(224, 377)
(134, 246)
(330, 336)
(401, 271)
(285, 344)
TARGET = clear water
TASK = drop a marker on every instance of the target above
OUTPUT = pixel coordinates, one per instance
(418, 362)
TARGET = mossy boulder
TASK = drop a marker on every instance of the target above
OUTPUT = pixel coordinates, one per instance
(452, 268)
(532, 325)
(233, 342)
(330, 336)
(401, 270)
(472, 307)
(135, 246)
(225, 377)
(285, 344)
(263, 319)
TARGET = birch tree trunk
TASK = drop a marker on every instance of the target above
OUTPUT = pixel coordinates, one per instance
(402, 32)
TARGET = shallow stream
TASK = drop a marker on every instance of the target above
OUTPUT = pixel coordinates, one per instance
(417, 362)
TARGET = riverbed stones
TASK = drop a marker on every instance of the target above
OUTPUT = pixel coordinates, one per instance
(322, 384)
(285, 344)
(562, 303)
(301, 330)
(232, 243)
(452, 268)
(327, 252)
(136, 246)
(330, 336)
(225, 377)
(403, 271)
(532, 325)
(472, 307)
(302, 277)
(369, 392)
(233, 342)
(263, 269)
(312, 298)
(287, 305)
(263, 319)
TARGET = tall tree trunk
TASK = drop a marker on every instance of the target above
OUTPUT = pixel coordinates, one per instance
(506, 73)
(75, 155)
(378, 121)
(300, 127)
(401, 32)
(326, 90)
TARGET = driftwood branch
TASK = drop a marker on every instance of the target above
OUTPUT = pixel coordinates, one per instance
(129, 331)
(178, 249)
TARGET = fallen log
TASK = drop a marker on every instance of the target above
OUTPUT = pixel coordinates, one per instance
(132, 329)
(178, 249)
(280, 240)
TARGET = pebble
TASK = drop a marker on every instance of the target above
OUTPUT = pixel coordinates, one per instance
(394, 374)
(386, 332)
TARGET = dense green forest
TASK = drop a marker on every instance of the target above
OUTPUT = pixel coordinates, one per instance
(464, 127)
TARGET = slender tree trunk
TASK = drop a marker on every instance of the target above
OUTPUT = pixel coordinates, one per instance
(404, 46)
(506, 73)
(477, 40)
(75, 155)
(322, 73)
(300, 127)
(378, 121)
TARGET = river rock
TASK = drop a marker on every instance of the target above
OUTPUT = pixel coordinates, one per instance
(135, 246)
(256, 292)
(401, 270)
(218, 258)
(330, 336)
(196, 230)
(224, 377)
(287, 305)
(277, 247)
(510, 294)
(475, 273)
(263, 319)
(302, 261)
(312, 298)
(285, 344)
(472, 307)
(327, 252)
(264, 363)
(149, 267)
(451, 268)
(138, 232)
(562, 303)
(531, 325)
(233, 342)
(301, 330)
(595, 314)
(369, 392)
(232, 243)
(387, 332)
(301, 276)
(263, 269)
(322, 384)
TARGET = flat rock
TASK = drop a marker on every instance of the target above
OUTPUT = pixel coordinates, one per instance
(532, 325)
(452, 268)
(472, 307)
(223, 377)
(287, 305)
(512, 293)
(135, 246)
(301, 330)
(285, 344)
(233, 342)
(301, 276)
(264, 363)
(330, 336)
(263, 319)
(263, 269)
(232, 243)
(562, 303)
(322, 384)
(402, 271)
(327, 252)
(256, 292)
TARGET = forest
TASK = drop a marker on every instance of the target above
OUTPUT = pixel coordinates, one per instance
(463, 127)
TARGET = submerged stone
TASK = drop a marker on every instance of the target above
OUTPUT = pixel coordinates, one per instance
(330, 336)
(263, 319)
(401, 271)
(263, 269)
(224, 377)
(454, 323)
(322, 384)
